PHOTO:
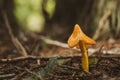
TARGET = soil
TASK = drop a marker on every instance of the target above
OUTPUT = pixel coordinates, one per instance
(70, 69)
(14, 67)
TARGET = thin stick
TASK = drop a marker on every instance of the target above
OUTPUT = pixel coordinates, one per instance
(38, 76)
(58, 57)
(24, 72)
(64, 45)
(7, 75)
(14, 40)
(48, 41)
(100, 52)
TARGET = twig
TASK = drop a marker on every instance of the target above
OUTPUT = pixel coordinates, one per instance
(58, 57)
(38, 76)
(7, 75)
(17, 76)
(100, 51)
(64, 45)
(66, 77)
(54, 42)
(24, 72)
(70, 67)
(14, 40)
(48, 41)
(99, 55)
(63, 77)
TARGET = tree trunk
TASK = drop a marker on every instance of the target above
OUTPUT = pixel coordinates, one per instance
(8, 7)
(107, 19)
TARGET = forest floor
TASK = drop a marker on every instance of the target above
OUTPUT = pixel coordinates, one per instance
(52, 60)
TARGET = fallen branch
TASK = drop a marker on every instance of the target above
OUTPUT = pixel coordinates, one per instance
(38, 76)
(64, 45)
(48, 41)
(58, 57)
(7, 75)
(14, 40)
(25, 72)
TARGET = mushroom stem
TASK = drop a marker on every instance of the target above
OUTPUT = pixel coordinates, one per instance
(85, 63)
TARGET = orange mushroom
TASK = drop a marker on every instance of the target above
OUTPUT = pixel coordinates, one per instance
(80, 40)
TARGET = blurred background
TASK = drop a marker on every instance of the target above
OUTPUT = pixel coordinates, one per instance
(56, 18)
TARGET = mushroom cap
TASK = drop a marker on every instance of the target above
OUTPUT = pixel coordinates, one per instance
(77, 36)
